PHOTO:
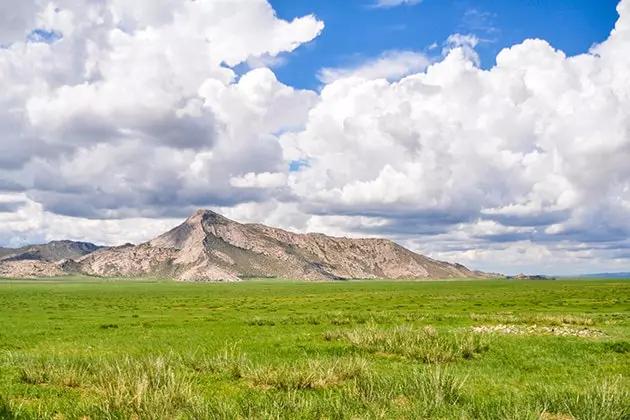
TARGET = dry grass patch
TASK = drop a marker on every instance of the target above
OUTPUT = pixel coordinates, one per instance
(608, 400)
(535, 319)
(150, 387)
(424, 344)
(313, 374)
(552, 416)
(559, 331)
(58, 371)
(420, 393)
(230, 361)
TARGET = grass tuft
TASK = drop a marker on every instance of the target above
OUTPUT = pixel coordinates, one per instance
(149, 388)
(609, 401)
(59, 371)
(314, 374)
(230, 361)
(260, 322)
(424, 344)
(8, 409)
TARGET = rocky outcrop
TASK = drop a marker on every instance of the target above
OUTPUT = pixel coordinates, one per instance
(29, 269)
(210, 247)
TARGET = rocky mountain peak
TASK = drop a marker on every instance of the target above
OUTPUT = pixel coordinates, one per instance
(211, 247)
(208, 216)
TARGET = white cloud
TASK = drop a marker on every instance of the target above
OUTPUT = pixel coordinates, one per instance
(16, 20)
(135, 117)
(466, 43)
(459, 40)
(479, 21)
(31, 224)
(390, 65)
(394, 3)
(538, 145)
(262, 180)
(134, 111)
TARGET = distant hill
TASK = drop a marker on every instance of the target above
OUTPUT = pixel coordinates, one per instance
(51, 252)
(606, 276)
(6, 251)
(210, 247)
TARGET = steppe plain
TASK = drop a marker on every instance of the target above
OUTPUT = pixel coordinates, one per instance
(86, 348)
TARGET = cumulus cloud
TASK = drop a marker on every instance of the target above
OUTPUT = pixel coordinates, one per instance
(263, 180)
(135, 109)
(391, 65)
(134, 112)
(466, 43)
(16, 19)
(29, 223)
(539, 142)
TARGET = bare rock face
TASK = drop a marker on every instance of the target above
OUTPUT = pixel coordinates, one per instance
(49, 260)
(210, 247)
(29, 269)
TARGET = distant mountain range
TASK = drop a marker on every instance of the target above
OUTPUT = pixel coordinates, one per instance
(210, 247)
(51, 252)
(606, 276)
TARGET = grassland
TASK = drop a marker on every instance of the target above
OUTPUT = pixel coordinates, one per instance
(88, 349)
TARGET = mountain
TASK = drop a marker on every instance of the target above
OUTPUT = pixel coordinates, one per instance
(50, 252)
(210, 247)
(6, 251)
(606, 276)
(46, 260)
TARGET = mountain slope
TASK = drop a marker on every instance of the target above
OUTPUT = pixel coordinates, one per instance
(50, 252)
(49, 260)
(210, 247)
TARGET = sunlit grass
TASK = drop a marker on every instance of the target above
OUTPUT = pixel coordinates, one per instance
(425, 344)
(358, 350)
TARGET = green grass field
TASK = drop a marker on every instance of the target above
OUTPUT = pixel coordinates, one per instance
(96, 349)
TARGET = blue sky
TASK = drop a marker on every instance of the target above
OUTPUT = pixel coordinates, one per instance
(355, 31)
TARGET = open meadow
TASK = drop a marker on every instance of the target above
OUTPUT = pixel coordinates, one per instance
(82, 348)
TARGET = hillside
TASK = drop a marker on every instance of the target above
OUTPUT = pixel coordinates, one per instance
(50, 252)
(210, 247)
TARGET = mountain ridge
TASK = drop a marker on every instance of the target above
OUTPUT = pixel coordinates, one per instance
(50, 252)
(210, 247)
(615, 275)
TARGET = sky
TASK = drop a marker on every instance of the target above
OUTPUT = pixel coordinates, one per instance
(356, 32)
(491, 133)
